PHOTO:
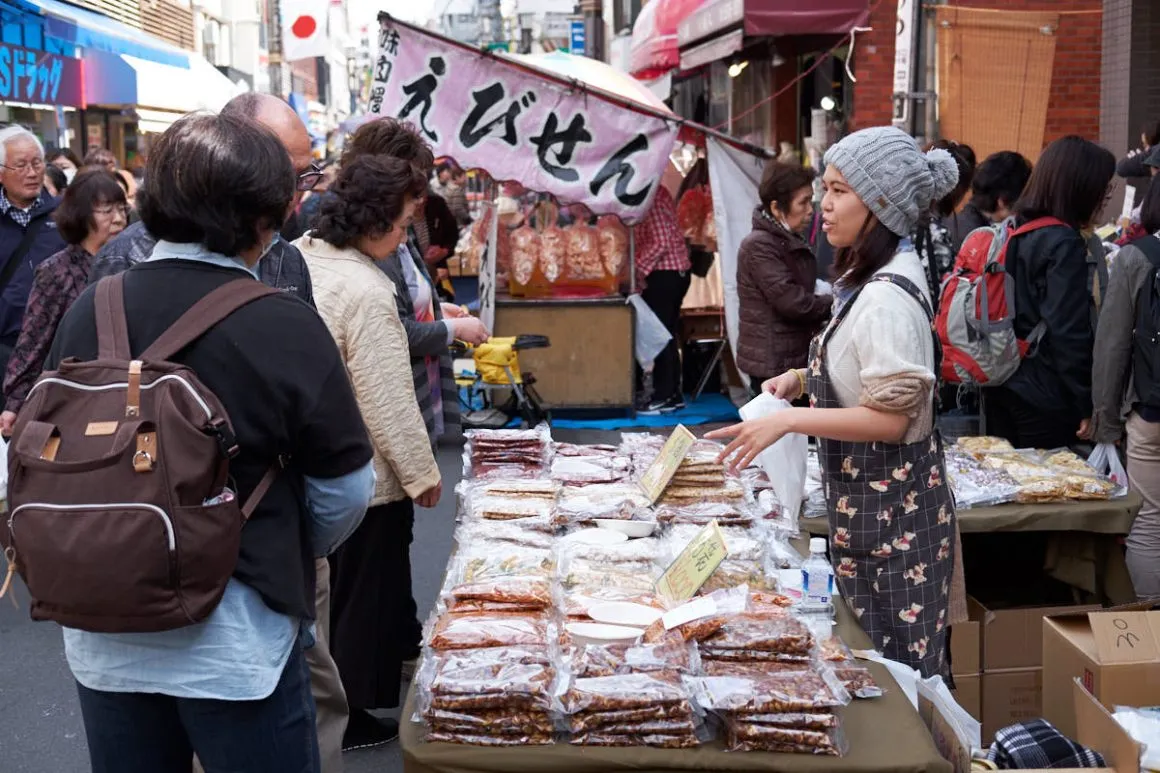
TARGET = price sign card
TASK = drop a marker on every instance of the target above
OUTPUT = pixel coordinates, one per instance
(694, 565)
(661, 471)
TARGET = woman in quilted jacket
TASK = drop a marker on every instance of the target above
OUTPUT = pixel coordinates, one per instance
(776, 276)
(371, 572)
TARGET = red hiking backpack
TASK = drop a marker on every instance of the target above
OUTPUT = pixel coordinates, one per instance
(976, 311)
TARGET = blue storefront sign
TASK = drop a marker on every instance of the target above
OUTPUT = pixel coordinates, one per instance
(579, 44)
(40, 77)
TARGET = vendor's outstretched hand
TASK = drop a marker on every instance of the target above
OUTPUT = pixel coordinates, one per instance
(750, 438)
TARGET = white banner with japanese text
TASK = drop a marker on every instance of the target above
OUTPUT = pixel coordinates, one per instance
(492, 114)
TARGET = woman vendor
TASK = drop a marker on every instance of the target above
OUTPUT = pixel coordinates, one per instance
(870, 381)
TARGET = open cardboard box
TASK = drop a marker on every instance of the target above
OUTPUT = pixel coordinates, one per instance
(1097, 729)
(1114, 653)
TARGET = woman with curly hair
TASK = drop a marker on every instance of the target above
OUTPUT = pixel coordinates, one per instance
(365, 219)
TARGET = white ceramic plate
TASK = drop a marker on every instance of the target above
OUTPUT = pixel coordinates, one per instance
(631, 528)
(597, 537)
(624, 613)
(600, 633)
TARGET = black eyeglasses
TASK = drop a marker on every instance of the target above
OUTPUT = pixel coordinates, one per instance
(308, 179)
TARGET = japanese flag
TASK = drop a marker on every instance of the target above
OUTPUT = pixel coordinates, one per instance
(303, 29)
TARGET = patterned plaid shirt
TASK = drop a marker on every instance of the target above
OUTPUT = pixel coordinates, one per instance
(660, 245)
(21, 216)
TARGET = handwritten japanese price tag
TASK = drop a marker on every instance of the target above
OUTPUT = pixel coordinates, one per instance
(694, 565)
(661, 471)
(1126, 637)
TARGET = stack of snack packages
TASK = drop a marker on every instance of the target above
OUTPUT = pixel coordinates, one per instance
(502, 667)
(985, 471)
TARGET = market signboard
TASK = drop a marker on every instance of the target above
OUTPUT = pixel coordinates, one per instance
(39, 77)
(490, 114)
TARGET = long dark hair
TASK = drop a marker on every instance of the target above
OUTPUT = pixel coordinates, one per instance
(1069, 182)
(874, 248)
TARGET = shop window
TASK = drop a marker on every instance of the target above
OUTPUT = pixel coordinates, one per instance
(994, 78)
(751, 120)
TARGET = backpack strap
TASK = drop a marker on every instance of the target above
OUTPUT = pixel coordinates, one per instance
(204, 314)
(260, 490)
(112, 326)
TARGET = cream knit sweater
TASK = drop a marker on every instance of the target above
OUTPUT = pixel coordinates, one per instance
(357, 302)
(882, 355)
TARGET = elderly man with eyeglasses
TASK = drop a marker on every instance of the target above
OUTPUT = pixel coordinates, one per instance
(27, 233)
(282, 266)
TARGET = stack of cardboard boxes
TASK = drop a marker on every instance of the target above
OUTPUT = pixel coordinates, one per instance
(997, 662)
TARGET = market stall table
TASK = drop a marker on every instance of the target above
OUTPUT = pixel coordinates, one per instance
(885, 735)
(1083, 547)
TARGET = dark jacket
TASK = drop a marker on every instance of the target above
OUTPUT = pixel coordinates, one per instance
(47, 243)
(961, 223)
(1051, 275)
(282, 267)
(776, 273)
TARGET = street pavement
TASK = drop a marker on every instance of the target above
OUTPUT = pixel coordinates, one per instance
(40, 723)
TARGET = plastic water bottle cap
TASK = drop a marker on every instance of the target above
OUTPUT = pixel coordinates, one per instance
(817, 544)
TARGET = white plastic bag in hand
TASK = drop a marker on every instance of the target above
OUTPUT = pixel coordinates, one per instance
(1106, 459)
(784, 461)
(651, 334)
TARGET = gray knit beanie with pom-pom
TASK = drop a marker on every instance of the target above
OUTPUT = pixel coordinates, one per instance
(894, 179)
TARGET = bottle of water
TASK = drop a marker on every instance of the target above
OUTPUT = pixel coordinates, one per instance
(817, 577)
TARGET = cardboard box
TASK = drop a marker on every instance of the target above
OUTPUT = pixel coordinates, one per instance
(967, 641)
(1010, 697)
(1097, 730)
(1115, 654)
(968, 693)
(1013, 638)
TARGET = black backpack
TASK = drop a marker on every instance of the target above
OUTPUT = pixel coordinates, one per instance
(1146, 336)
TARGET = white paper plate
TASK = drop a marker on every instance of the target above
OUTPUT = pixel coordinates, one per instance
(624, 613)
(631, 528)
(600, 633)
(597, 537)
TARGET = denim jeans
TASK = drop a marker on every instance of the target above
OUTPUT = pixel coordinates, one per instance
(152, 733)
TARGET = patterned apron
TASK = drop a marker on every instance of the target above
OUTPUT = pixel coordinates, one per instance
(892, 524)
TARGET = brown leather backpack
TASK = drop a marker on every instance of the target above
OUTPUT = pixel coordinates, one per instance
(120, 519)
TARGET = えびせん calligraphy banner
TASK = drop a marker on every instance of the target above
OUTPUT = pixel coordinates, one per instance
(492, 114)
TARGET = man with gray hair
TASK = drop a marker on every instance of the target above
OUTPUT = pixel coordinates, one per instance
(27, 233)
(282, 266)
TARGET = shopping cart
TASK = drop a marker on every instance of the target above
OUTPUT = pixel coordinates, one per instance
(497, 370)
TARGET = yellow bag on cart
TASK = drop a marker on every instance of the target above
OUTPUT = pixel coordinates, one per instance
(493, 356)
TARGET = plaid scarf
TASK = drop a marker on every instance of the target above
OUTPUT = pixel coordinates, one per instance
(1037, 744)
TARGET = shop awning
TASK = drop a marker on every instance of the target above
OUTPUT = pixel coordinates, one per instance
(771, 18)
(179, 90)
(91, 30)
(654, 37)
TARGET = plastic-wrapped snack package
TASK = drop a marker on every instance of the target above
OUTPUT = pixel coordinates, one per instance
(755, 669)
(645, 550)
(572, 449)
(780, 554)
(976, 485)
(457, 632)
(473, 533)
(490, 722)
(743, 736)
(589, 661)
(785, 635)
(531, 739)
(799, 691)
(503, 574)
(786, 662)
(483, 607)
(577, 601)
(625, 692)
(732, 492)
(587, 721)
(731, 574)
(982, 446)
(858, 681)
(701, 512)
(665, 656)
(520, 489)
(755, 479)
(656, 741)
(586, 470)
(638, 576)
(612, 501)
(742, 544)
(773, 514)
(799, 720)
(529, 513)
(767, 603)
